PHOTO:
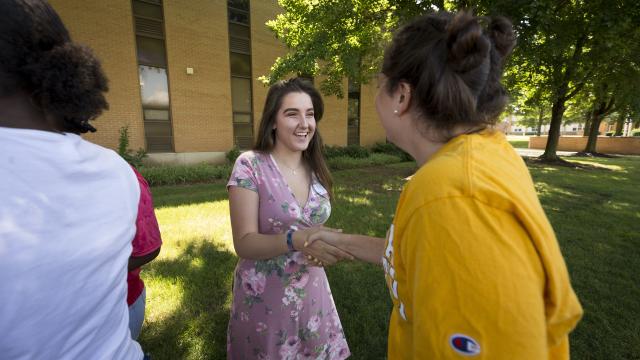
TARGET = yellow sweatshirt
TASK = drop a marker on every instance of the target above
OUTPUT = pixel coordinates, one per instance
(472, 263)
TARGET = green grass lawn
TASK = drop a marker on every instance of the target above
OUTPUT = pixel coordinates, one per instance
(518, 142)
(596, 214)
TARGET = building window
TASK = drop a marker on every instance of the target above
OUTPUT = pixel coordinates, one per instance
(152, 71)
(240, 62)
(353, 114)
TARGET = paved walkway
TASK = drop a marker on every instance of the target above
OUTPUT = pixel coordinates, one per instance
(536, 152)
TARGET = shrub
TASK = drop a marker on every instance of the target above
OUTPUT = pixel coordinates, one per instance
(184, 174)
(391, 149)
(134, 158)
(635, 132)
(232, 155)
(609, 133)
(352, 151)
(346, 162)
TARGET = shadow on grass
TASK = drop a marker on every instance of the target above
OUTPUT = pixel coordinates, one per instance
(196, 328)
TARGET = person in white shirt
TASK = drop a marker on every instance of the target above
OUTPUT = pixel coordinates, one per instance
(67, 207)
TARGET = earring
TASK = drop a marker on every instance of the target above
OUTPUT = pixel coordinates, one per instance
(395, 112)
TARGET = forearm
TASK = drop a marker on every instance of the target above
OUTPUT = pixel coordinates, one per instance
(138, 261)
(255, 246)
(365, 248)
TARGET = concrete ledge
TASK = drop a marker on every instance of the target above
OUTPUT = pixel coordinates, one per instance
(606, 144)
(185, 158)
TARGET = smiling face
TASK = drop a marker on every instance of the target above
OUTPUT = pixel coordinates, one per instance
(295, 122)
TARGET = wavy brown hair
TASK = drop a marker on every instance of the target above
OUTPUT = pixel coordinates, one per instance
(266, 139)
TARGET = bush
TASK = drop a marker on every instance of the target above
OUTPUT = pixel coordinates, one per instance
(184, 174)
(134, 158)
(391, 149)
(635, 132)
(346, 162)
(352, 151)
(609, 133)
(232, 155)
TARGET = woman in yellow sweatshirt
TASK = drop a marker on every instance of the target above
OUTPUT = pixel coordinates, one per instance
(473, 266)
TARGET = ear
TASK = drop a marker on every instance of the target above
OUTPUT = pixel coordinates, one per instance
(402, 97)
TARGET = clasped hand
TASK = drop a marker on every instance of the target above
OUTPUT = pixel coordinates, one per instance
(320, 245)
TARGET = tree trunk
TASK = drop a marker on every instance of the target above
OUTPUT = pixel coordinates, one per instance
(620, 124)
(587, 125)
(593, 133)
(557, 111)
(540, 121)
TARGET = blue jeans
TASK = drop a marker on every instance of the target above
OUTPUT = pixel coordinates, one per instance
(136, 314)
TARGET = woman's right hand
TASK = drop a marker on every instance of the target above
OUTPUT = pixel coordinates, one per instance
(314, 244)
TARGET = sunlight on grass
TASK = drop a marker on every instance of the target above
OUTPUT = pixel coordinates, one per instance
(544, 189)
(164, 297)
(204, 220)
(600, 165)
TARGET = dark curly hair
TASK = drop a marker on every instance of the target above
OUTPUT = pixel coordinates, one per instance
(453, 66)
(37, 56)
(266, 139)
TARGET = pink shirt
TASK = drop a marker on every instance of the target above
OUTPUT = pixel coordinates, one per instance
(146, 240)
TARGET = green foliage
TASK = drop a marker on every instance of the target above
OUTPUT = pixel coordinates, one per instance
(610, 133)
(635, 132)
(232, 155)
(134, 158)
(345, 162)
(184, 174)
(353, 151)
(391, 149)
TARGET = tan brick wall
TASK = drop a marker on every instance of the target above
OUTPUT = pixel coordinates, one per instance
(265, 49)
(371, 130)
(197, 37)
(107, 27)
(334, 122)
(605, 144)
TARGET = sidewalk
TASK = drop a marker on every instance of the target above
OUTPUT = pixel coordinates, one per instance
(537, 152)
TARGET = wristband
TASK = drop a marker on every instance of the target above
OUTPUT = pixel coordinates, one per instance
(290, 240)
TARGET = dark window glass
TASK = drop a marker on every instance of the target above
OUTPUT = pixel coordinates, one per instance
(239, 4)
(241, 94)
(238, 16)
(238, 30)
(241, 118)
(240, 65)
(155, 114)
(151, 51)
(353, 112)
(157, 128)
(154, 87)
(147, 10)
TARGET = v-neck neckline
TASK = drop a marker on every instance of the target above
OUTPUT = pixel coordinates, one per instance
(284, 180)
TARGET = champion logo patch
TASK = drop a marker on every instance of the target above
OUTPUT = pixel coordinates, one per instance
(464, 345)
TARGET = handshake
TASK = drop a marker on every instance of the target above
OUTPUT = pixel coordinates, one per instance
(322, 245)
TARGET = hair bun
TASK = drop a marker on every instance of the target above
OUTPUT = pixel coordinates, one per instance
(501, 33)
(68, 82)
(467, 46)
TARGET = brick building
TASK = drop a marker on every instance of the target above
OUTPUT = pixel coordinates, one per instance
(183, 76)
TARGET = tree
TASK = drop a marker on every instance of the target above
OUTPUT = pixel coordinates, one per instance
(562, 44)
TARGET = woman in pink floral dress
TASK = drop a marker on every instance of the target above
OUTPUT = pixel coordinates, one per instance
(279, 196)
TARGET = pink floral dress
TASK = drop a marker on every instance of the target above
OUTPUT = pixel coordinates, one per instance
(282, 307)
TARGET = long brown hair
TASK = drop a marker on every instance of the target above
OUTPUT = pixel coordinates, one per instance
(266, 139)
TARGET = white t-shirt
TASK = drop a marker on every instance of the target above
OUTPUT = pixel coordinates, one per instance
(67, 217)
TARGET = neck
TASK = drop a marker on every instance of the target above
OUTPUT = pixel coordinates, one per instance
(18, 112)
(422, 148)
(291, 159)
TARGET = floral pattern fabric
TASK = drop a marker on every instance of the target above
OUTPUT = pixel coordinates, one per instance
(282, 307)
